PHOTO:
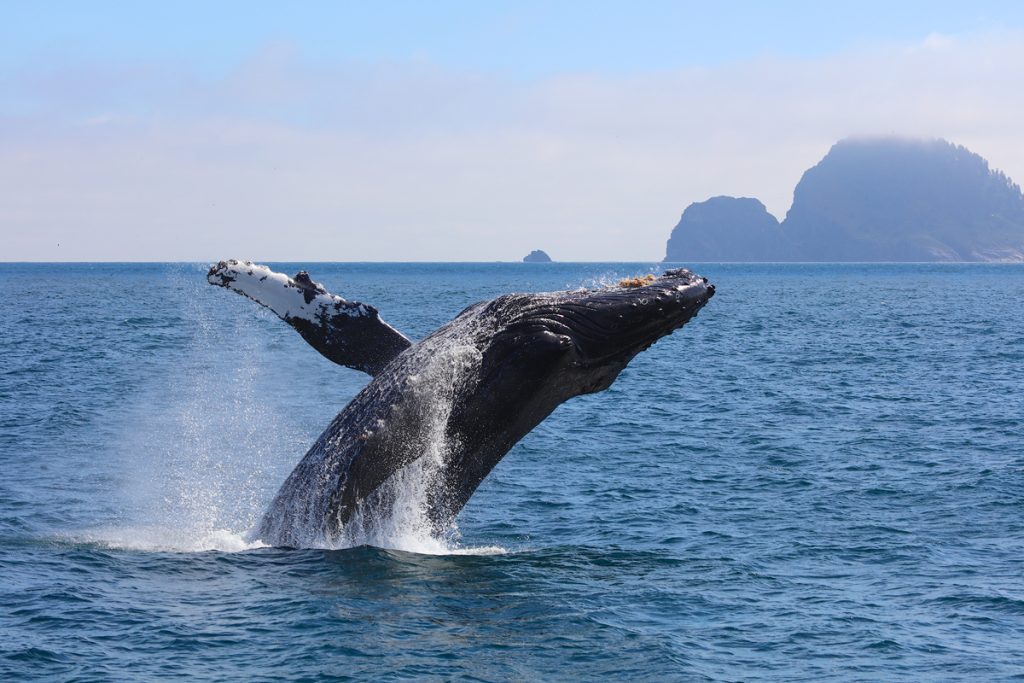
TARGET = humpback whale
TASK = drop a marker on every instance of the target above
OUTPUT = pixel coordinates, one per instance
(439, 414)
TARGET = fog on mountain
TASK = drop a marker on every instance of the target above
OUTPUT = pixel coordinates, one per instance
(869, 199)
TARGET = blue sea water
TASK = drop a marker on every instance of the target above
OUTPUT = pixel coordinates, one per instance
(820, 477)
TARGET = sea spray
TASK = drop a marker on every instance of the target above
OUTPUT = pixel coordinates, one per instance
(612, 277)
(196, 473)
(400, 518)
(414, 407)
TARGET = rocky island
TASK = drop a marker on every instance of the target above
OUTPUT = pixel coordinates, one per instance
(869, 199)
(537, 256)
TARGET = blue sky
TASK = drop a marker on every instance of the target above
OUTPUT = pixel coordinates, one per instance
(526, 39)
(461, 131)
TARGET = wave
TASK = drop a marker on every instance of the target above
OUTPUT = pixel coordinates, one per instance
(176, 540)
(167, 539)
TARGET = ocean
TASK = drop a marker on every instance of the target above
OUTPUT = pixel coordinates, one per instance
(819, 477)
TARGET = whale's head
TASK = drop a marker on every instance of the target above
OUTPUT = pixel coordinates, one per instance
(578, 342)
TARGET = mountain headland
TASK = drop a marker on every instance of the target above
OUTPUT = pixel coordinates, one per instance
(869, 199)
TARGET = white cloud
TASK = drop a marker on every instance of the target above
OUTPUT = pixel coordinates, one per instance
(289, 160)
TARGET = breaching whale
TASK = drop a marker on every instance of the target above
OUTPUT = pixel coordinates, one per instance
(439, 414)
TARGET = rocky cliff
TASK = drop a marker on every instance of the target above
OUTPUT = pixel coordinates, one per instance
(537, 256)
(869, 199)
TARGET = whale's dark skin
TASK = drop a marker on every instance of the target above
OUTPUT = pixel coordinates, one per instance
(475, 387)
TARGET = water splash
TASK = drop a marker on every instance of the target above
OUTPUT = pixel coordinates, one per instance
(197, 470)
(200, 470)
(611, 278)
(401, 505)
(170, 539)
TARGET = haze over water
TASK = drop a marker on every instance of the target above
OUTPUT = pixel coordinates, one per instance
(820, 476)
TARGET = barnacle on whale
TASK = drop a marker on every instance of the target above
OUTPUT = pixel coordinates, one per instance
(637, 281)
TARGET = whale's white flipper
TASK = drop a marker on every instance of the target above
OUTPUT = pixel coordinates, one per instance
(349, 333)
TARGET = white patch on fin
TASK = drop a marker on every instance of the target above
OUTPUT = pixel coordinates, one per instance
(280, 293)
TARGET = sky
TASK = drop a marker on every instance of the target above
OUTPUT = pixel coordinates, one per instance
(461, 131)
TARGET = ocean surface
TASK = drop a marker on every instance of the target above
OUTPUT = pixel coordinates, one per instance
(820, 477)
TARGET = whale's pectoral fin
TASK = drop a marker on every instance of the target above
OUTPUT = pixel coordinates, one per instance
(347, 332)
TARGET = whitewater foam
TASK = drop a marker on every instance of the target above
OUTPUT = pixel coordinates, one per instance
(173, 540)
(167, 539)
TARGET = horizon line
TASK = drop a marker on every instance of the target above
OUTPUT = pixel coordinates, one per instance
(519, 262)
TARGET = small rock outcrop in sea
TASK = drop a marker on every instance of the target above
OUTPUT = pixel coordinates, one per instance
(869, 199)
(537, 256)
